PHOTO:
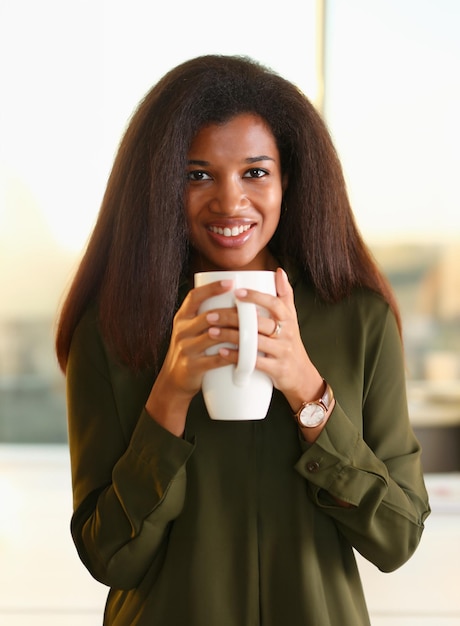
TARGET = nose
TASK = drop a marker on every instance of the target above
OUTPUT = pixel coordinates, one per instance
(229, 197)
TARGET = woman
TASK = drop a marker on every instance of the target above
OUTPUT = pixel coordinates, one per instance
(225, 165)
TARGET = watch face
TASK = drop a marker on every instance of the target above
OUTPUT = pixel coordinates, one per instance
(312, 415)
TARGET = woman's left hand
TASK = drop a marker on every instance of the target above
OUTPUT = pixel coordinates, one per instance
(285, 358)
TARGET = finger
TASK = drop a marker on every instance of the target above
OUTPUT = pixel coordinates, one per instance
(272, 307)
(210, 324)
(269, 326)
(284, 289)
(225, 318)
(277, 330)
(264, 300)
(198, 295)
(227, 336)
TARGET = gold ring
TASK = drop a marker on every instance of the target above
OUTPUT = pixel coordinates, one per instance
(277, 330)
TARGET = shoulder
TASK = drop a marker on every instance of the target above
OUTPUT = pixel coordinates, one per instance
(360, 298)
(362, 313)
(365, 311)
(87, 344)
(371, 316)
(367, 304)
(365, 320)
(88, 327)
(361, 301)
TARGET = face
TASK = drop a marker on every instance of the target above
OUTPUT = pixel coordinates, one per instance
(234, 194)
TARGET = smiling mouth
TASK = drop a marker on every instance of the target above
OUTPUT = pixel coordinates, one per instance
(234, 231)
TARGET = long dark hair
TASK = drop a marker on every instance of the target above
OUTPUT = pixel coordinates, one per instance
(138, 250)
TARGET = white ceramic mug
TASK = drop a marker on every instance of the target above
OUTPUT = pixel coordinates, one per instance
(238, 392)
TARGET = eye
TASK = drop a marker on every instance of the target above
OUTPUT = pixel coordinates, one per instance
(197, 175)
(255, 172)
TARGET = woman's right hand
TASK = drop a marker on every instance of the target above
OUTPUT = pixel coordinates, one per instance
(181, 374)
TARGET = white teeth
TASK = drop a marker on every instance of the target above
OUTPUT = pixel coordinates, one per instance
(230, 232)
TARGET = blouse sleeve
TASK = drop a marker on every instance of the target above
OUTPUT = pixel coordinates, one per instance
(127, 486)
(372, 461)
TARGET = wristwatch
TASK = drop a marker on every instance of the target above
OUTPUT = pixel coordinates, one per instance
(312, 414)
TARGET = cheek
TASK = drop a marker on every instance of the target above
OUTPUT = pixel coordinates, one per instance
(274, 205)
(273, 216)
(275, 220)
(194, 201)
(191, 230)
(189, 219)
(190, 207)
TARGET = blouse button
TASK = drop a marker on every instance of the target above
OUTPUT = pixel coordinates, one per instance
(313, 466)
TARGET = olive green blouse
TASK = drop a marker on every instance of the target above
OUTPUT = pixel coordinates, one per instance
(234, 524)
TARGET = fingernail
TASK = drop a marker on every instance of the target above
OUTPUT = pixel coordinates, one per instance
(214, 332)
(212, 317)
(226, 283)
(224, 351)
(241, 293)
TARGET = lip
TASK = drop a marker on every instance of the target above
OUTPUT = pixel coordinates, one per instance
(231, 234)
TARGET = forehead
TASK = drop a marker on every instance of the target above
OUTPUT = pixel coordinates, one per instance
(242, 133)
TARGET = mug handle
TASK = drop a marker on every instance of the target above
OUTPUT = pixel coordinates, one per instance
(247, 350)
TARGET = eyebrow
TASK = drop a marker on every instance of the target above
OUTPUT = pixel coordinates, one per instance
(197, 162)
(249, 160)
(262, 157)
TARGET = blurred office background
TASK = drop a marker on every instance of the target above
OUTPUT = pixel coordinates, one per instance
(384, 73)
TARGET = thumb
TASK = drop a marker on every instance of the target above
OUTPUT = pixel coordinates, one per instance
(283, 288)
